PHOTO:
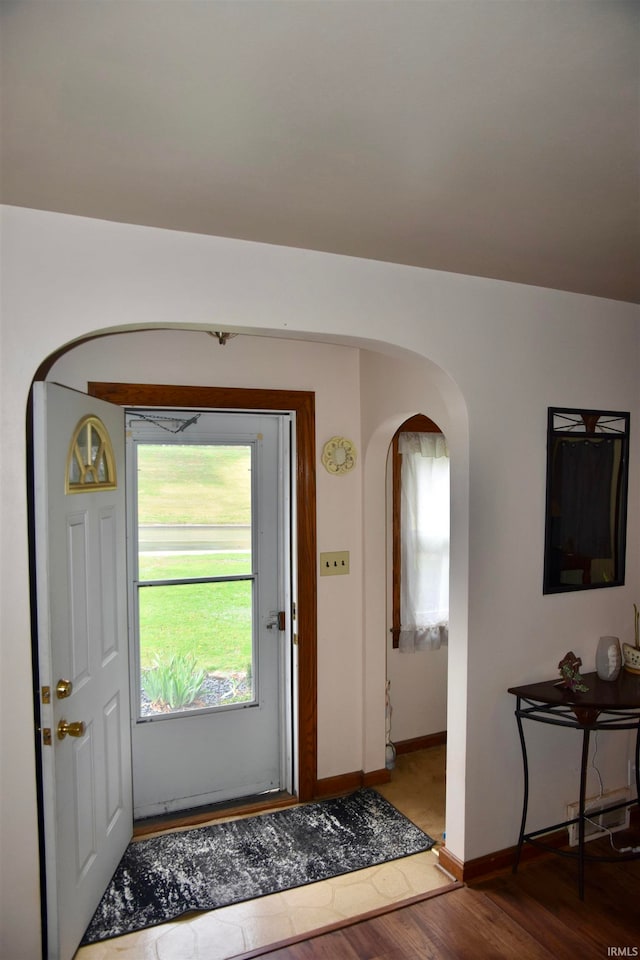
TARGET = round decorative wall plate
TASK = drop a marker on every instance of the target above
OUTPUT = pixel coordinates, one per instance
(339, 455)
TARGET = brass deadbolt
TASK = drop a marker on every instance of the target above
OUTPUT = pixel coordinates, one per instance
(63, 689)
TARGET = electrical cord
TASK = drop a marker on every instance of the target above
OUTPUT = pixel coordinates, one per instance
(600, 826)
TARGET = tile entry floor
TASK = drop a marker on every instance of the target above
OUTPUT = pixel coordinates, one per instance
(417, 788)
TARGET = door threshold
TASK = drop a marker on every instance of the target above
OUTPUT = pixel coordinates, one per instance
(247, 806)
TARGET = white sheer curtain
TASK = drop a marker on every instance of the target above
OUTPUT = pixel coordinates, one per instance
(424, 587)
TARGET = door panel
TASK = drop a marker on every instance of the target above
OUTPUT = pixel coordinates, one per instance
(82, 638)
(208, 532)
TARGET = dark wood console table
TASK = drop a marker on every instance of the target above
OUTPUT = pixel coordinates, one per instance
(604, 706)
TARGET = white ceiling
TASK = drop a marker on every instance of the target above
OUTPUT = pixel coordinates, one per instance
(498, 138)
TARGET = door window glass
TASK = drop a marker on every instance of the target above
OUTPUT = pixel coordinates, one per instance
(195, 586)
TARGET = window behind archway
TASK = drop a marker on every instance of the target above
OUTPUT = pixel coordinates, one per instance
(420, 524)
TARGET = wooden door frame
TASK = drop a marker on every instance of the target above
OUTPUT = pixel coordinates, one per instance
(303, 403)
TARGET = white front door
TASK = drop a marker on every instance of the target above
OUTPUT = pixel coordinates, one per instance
(83, 653)
(209, 598)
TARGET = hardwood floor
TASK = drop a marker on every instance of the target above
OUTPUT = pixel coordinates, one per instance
(534, 915)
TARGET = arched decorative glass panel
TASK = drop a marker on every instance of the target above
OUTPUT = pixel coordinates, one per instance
(90, 461)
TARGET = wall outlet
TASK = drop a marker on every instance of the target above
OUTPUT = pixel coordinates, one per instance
(334, 564)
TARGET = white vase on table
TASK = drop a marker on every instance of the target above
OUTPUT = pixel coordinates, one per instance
(608, 658)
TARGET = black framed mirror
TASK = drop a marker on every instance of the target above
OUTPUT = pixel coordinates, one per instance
(586, 506)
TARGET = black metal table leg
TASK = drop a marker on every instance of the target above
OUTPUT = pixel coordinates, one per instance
(583, 794)
(638, 764)
(525, 800)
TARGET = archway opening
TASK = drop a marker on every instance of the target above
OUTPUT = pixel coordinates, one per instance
(418, 532)
(105, 364)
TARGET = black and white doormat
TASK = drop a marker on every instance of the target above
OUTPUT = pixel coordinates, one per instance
(209, 867)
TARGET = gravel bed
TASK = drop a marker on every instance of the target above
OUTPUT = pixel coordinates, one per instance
(216, 690)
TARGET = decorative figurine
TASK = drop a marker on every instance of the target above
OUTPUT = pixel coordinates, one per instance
(570, 672)
(631, 654)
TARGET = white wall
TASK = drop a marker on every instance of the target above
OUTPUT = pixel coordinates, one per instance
(496, 355)
(418, 692)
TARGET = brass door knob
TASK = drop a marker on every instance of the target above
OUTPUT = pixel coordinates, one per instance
(75, 729)
(63, 689)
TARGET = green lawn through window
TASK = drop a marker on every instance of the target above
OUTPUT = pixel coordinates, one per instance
(183, 491)
(212, 621)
